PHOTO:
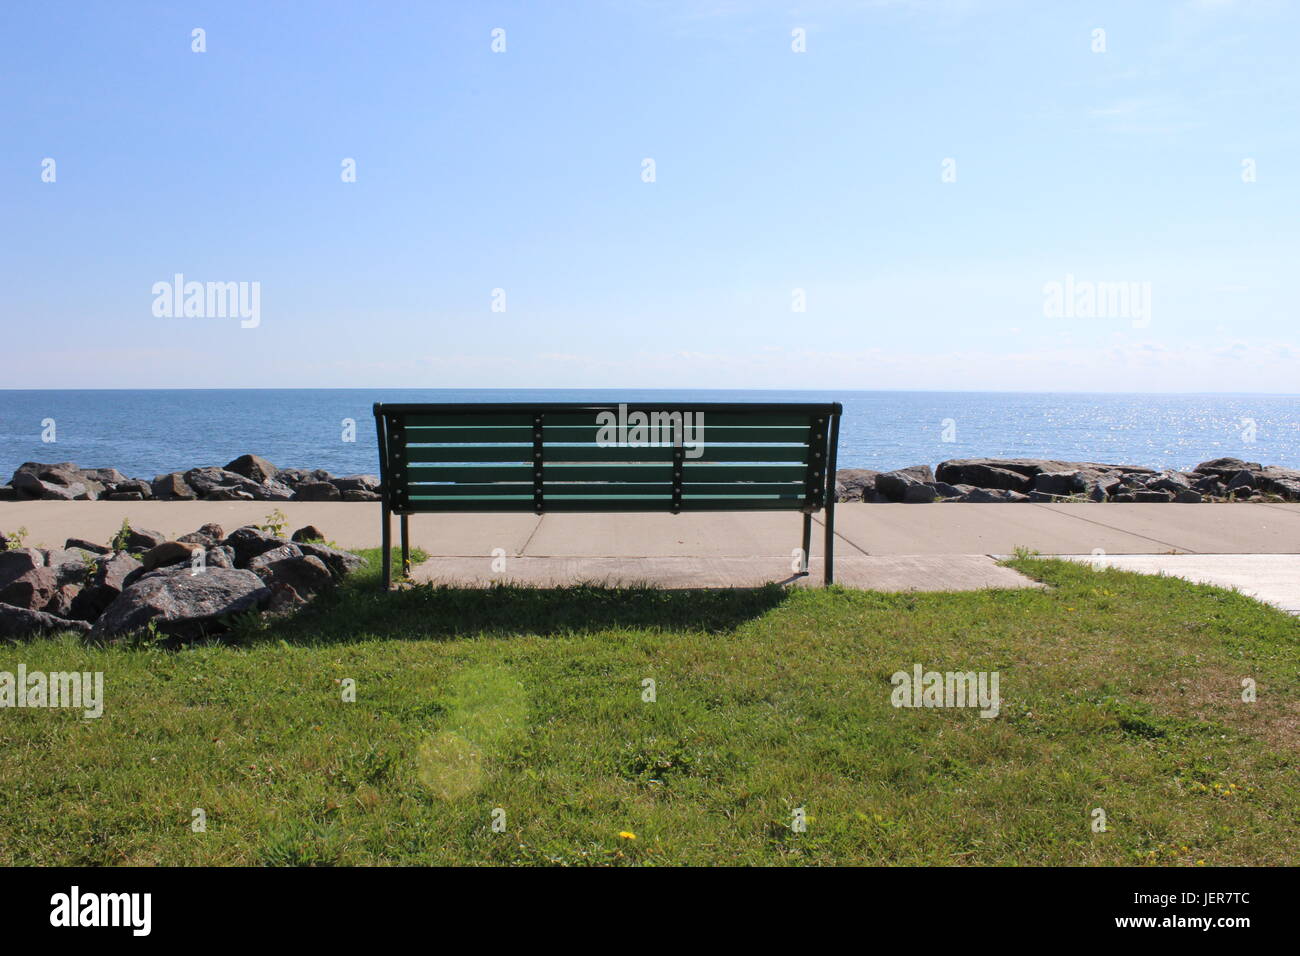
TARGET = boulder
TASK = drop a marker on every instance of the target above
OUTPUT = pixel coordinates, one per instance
(1242, 479)
(304, 573)
(340, 563)
(137, 486)
(308, 533)
(32, 589)
(990, 496)
(964, 470)
(248, 542)
(295, 476)
(906, 485)
(60, 473)
(1061, 484)
(316, 491)
(946, 491)
(19, 561)
(227, 493)
(106, 582)
(205, 481)
(357, 494)
(183, 605)
(1225, 468)
(104, 476)
(142, 539)
(258, 563)
(1280, 481)
(253, 467)
(172, 486)
(1209, 485)
(208, 535)
(169, 552)
(1188, 497)
(124, 496)
(8, 493)
(852, 484)
(1152, 495)
(274, 491)
(30, 488)
(1170, 481)
(19, 622)
(356, 483)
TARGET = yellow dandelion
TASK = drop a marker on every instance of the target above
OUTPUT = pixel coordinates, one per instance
(626, 835)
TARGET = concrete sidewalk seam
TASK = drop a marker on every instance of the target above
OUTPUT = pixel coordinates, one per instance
(839, 534)
(1101, 524)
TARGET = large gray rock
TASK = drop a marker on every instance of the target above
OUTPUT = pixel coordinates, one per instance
(172, 486)
(19, 561)
(1280, 481)
(304, 573)
(316, 491)
(32, 488)
(169, 552)
(248, 542)
(104, 476)
(1061, 483)
(356, 483)
(274, 491)
(1170, 481)
(32, 589)
(20, 622)
(205, 481)
(990, 496)
(356, 494)
(183, 605)
(253, 467)
(967, 470)
(133, 486)
(340, 563)
(907, 485)
(142, 539)
(852, 484)
(295, 476)
(106, 582)
(284, 552)
(1226, 468)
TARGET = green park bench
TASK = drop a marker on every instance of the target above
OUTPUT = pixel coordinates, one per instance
(552, 457)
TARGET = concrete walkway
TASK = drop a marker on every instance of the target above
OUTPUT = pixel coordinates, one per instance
(1271, 578)
(889, 547)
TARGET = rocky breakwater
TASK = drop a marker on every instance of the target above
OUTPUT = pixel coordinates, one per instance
(992, 480)
(247, 478)
(184, 589)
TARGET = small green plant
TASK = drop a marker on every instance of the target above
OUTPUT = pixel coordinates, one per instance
(14, 539)
(275, 523)
(122, 537)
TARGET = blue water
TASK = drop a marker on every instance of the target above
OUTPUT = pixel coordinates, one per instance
(149, 432)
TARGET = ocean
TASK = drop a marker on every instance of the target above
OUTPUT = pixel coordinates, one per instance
(149, 432)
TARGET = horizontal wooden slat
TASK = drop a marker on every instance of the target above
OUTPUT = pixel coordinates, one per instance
(466, 436)
(587, 453)
(601, 504)
(692, 471)
(706, 418)
(589, 435)
(461, 419)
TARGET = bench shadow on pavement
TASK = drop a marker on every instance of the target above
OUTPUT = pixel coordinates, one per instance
(359, 610)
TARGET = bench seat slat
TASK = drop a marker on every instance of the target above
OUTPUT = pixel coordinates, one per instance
(591, 435)
(465, 454)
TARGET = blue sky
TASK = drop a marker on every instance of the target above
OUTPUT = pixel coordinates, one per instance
(774, 171)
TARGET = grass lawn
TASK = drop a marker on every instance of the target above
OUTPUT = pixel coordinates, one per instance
(1119, 692)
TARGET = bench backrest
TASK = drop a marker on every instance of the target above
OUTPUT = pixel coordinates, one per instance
(633, 457)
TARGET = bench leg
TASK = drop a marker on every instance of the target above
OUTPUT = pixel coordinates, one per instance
(406, 549)
(386, 544)
(830, 543)
(807, 543)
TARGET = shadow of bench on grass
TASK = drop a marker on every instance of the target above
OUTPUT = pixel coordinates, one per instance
(360, 610)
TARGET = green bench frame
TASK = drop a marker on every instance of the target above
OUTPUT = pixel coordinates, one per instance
(549, 457)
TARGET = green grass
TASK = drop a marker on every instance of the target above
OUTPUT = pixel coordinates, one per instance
(1119, 691)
